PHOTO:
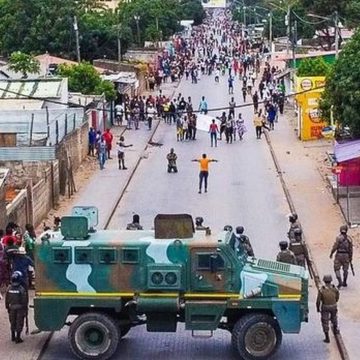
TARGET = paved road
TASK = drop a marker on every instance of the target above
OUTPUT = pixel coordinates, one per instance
(243, 189)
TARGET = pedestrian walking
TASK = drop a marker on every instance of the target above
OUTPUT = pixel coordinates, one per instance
(171, 158)
(203, 106)
(244, 92)
(16, 303)
(326, 304)
(240, 128)
(102, 150)
(121, 146)
(230, 84)
(92, 142)
(343, 247)
(285, 255)
(213, 131)
(232, 105)
(255, 99)
(258, 124)
(204, 171)
(151, 113)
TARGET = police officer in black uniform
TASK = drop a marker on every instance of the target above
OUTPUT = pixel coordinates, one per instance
(243, 241)
(16, 303)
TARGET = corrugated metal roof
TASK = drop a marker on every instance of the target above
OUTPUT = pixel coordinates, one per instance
(34, 153)
(41, 88)
(347, 151)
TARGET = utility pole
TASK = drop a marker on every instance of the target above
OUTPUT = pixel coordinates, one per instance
(270, 31)
(119, 44)
(336, 16)
(288, 32)
(157, 31)
(76, 28)
(294, 44)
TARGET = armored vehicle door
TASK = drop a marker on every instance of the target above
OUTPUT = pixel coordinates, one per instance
(210, 270)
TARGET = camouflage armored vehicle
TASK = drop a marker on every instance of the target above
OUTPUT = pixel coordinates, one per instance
(115, 280)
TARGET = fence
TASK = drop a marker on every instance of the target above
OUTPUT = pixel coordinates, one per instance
(349, 201)
(44, 127)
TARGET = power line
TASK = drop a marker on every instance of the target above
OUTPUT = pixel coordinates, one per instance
(308, 22)
(177, 112)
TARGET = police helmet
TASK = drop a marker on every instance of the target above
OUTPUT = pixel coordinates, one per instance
(343, 229)
(239, 229)
(297, 231)
(283, 244)
(199, 221)
(327, 278)
(16, 276)
(228, 228)
(293, 217)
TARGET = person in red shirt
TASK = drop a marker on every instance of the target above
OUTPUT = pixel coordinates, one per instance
(108, 137)
(213, 131)
(9, 237)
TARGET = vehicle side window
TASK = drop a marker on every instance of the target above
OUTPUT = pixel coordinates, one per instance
(130, 256)
(83, 255)
(204, 261)
(62, 255)
(107, 255)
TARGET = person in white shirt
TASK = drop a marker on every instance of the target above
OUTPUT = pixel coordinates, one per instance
(151, 112)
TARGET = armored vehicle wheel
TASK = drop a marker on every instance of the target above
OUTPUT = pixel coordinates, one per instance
(93, 336)
(256, 336)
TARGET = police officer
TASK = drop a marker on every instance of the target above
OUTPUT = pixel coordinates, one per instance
(171, 158)
(199, 223)
(343, 247)
(285, 255)
(326, 303)
(294, 224)
(16, 303)
(243, 241)
(135, 225)
(297, 246)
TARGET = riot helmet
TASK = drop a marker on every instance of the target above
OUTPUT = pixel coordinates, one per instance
(240, 230)
(343, 229)
(327, 279)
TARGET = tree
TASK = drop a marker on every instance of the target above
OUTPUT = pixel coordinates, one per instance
(24, 63)
(342, 94)
(313, 67)
(84, 78)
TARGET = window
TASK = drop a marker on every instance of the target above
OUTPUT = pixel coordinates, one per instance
(107, 256)
(205, 259)
(130, 256)
(83, 255)
(62, 255)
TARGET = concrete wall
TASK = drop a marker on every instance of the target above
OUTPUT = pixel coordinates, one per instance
(2, 207)
(76, 146)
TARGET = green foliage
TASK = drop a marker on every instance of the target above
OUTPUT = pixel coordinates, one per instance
(24, 63)
(192, 10)
(85, 79)
(313, 67)
(342, 92)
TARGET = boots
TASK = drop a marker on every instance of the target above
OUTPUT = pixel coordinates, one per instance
(18, 339)
(344, 282)
(327, 338)
(336, 330)
(13, 336)
(339, 282)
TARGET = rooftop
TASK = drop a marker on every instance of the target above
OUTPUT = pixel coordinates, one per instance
(25, 88)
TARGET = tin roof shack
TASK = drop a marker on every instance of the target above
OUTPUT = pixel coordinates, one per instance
(347, 158)
(3, 175)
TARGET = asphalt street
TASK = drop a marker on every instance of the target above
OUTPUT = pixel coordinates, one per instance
(243, 190)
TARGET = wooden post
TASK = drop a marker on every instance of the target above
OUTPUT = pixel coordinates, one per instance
(57, 131)
(29, 202)
(66, 124)
(74, 122)
(47, 122)
(31, 129)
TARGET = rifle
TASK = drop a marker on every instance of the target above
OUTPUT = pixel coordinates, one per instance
(352, 268)
(27, 323)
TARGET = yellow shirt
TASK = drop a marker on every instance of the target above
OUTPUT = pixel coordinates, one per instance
(257, 121)
(204, 164)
